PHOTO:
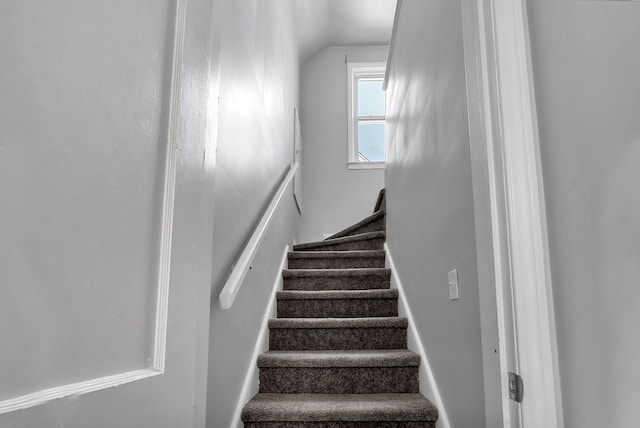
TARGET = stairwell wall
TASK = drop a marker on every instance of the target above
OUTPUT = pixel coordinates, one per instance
(334, 196)
(430, 217)
(258, 93)
(586, 61)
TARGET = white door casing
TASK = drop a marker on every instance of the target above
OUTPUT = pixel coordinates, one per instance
(504, 135)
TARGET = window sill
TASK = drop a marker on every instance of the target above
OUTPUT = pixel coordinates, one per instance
(365, 165)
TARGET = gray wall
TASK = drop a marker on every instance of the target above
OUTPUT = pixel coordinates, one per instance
(334, 197)
(586, 61)
(258, 92)
(430, 221)
(69, 220)
(83, 113)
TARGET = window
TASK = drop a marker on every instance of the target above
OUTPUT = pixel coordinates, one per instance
(366, 103)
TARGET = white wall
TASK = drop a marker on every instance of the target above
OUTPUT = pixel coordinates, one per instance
(258, 93)
(430, 220)
(334, 196)
(586, 60)
(72, 231)
(84, 117)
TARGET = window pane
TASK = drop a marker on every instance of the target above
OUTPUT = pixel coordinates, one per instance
(371, 141)
(370, 98)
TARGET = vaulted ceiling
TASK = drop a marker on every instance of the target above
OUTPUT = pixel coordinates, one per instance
(322, 23)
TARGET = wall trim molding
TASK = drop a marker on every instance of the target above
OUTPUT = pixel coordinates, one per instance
(249, 386)
(74, 389)
(430, 390)
(162, 302)
(162, 306)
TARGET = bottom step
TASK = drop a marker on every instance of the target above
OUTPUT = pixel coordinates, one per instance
(372, 424)
(339, 411)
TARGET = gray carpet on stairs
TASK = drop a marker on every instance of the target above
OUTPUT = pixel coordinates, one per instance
(336, 259)
(335, 279)
(362, 241)
(373, 223)
(337, 304)
(338, 353)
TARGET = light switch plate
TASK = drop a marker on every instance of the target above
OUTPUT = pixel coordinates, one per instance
(453, 285)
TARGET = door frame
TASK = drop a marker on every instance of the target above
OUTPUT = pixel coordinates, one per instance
(510, 215)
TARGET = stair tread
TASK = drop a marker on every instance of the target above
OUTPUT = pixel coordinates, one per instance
(337, 294)
(371, 322)
(353, 238)
(334, 370)
(348, 358)
(370, 219)
(335, 254)
(290, 273)
(339, 407)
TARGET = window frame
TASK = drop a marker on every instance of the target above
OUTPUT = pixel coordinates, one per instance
(355, 72)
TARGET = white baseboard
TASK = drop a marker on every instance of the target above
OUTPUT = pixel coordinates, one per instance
(428, 383)
(250, 385)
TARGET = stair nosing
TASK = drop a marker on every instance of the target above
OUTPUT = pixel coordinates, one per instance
(275, 407)
(374, 293)
(337, 323)
(289, 273)
(339, 358)
(336, 254)
(345, 239)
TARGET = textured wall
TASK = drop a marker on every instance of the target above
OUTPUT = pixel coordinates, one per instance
(84, 117)
(81, 204)
(430, 221)
(334, 196)
(258, 92)
(586, 61)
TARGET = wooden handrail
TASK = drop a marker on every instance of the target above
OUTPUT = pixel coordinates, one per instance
(239, 272)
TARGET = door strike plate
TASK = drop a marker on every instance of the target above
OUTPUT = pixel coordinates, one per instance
(516, 387)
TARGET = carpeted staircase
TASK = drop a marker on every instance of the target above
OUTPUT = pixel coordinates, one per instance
(338, 353)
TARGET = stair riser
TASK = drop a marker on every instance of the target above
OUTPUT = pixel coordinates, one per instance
(299, 339)
(339, 380)
(337, 308)
(369, 244)
(318, 283)
(374, 226)
(346, 424)
(337, 263)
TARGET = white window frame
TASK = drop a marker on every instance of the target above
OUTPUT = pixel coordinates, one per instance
(355, 72)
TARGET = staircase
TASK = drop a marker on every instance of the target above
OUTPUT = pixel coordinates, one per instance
(338, 353)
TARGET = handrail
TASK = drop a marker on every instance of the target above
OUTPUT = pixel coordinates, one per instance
(239, 272)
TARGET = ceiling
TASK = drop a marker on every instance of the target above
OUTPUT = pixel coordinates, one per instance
(323, 23)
